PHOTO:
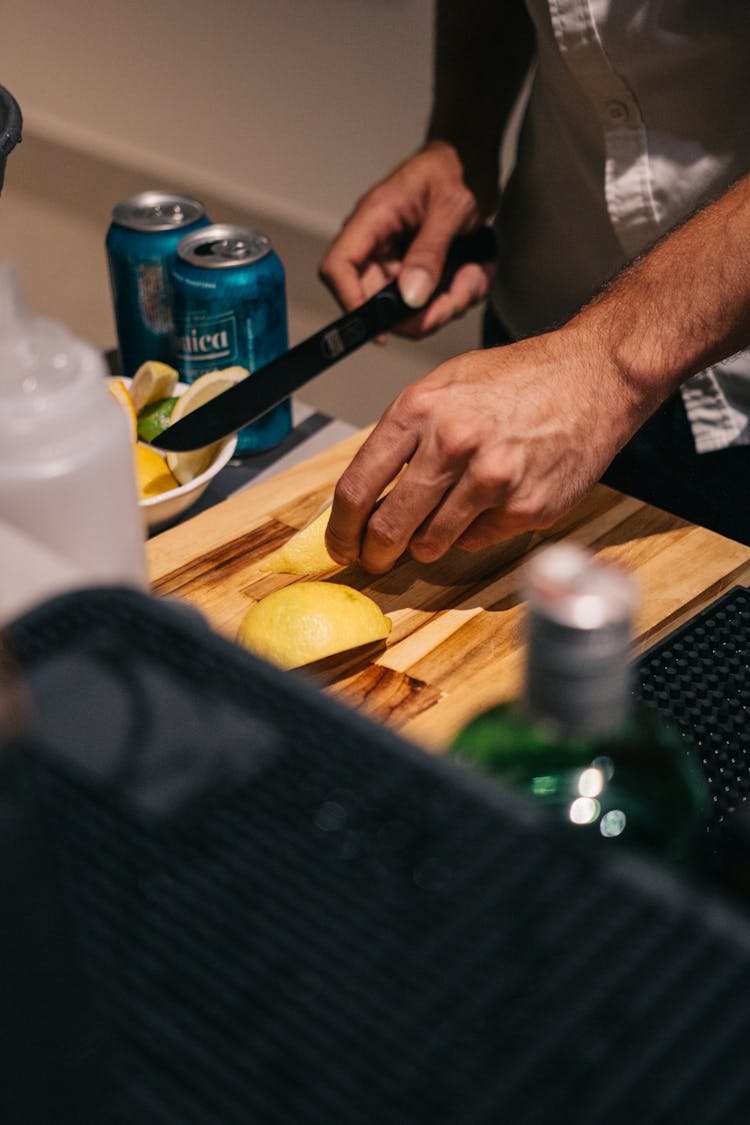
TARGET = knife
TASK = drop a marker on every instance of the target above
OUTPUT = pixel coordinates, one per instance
(271, 384)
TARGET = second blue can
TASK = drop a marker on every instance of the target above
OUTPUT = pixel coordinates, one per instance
(229, 307)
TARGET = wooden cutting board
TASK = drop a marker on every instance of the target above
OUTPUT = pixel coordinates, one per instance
(456, 644)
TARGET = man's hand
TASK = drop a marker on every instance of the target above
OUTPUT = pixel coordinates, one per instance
(494, 442)
(403, 228)
(501, 441)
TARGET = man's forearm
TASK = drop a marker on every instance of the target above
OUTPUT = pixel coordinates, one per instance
(682, 306)
(483, 51)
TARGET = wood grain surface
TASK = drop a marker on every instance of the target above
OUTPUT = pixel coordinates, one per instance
(457, 639)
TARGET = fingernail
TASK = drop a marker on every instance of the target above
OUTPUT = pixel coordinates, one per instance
(416, 287)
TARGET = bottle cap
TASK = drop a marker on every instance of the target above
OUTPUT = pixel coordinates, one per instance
(580, 614)
(67, 473)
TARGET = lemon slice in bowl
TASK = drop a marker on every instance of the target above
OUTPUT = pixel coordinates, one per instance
(187, 466)
(153, 380)
(152, 472)
(120, 393)
(308, 621)
(305, 552)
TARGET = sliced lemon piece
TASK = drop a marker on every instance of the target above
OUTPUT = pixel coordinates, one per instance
(121, 395)
(187, 466)
(305, 552)
(310, 620)
(152, 472)
(153, 380)
(235, 373)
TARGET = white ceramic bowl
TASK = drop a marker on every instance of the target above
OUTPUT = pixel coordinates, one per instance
(162, 510)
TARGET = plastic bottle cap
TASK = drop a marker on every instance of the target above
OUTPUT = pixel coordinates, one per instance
(67, 474)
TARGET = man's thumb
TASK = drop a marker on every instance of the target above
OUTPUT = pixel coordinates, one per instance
(425, 259)
(417, 286)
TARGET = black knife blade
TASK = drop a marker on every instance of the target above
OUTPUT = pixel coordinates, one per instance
(269, 385)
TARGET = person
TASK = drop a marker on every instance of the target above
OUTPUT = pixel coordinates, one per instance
(620, 298)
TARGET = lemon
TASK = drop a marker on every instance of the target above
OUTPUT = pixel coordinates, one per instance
(305, 552)
(310, 620)
(152, 380)
(152, 472)
(121, 395)
(155, 417)
(187, 466)
(235, 373)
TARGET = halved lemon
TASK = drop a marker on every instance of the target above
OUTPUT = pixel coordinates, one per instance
(305, 552)
(187, 466)
(311, 620)
(121, 395)
(153, 380)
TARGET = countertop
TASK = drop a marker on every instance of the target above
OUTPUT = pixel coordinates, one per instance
(456, 644)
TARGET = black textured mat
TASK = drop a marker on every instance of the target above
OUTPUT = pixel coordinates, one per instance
(283, 913)
(698, 679)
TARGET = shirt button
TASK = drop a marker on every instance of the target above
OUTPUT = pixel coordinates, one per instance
(617, 112)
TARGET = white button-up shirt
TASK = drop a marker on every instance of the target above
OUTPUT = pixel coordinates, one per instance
(639, 112)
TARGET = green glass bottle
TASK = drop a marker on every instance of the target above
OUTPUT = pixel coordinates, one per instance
(576, 742)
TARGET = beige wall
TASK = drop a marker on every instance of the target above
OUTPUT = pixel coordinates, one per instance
(277, 113)
(286, 106)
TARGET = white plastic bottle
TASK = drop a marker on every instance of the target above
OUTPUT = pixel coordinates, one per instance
(67, 473)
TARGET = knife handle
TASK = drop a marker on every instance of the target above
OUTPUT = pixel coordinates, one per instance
(479, 246)
(388, 308)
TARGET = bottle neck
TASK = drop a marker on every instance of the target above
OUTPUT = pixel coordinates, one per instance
(579, 680)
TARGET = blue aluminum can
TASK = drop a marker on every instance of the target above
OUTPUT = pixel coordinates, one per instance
(141, 242)
(229, 303)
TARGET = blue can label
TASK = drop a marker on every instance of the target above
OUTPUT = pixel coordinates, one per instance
(154, 297)
(209, 341)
